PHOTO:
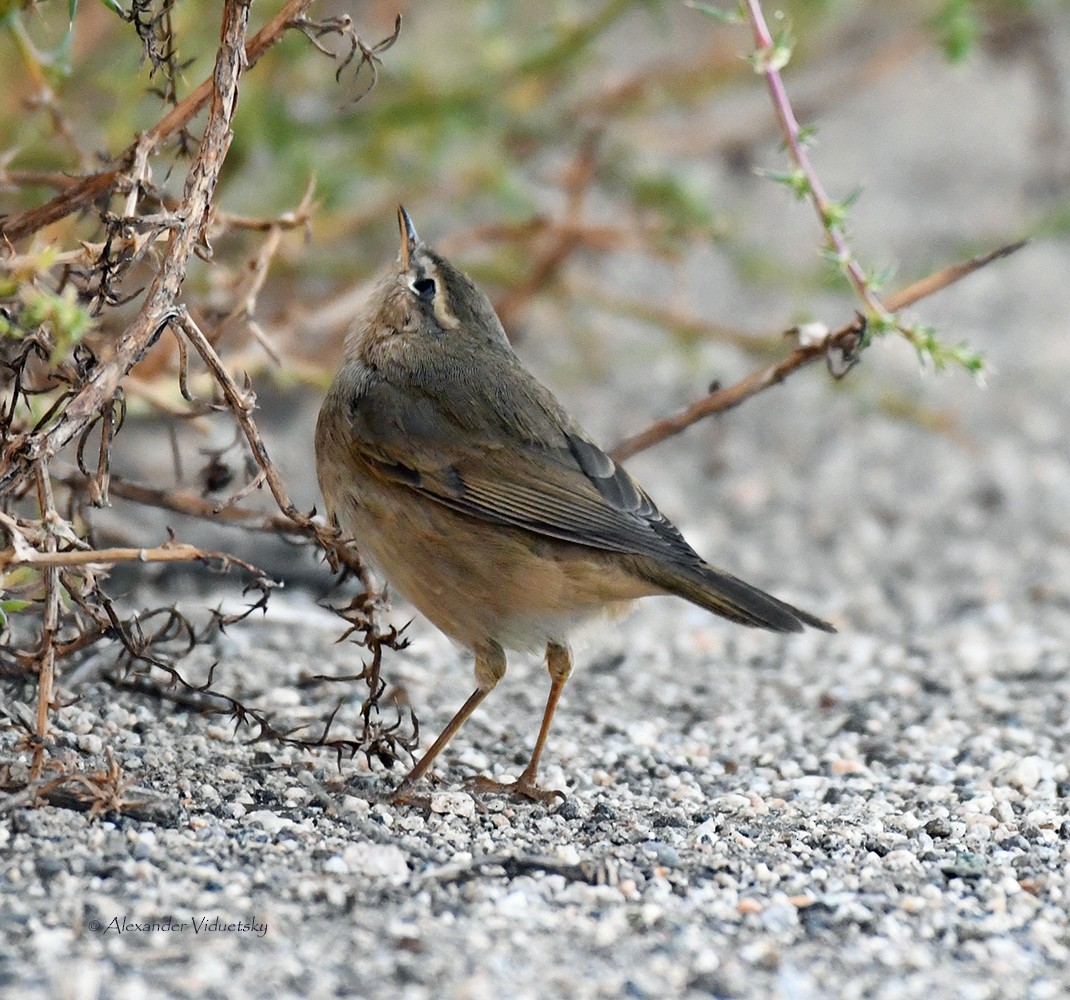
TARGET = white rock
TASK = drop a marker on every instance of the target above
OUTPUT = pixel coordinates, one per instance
(453, 804)
(377, 861)
(271, 822)
(1028, 772)
(90, 743)
(335, 865)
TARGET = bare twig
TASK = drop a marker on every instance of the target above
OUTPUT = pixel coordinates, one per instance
(932, 283)
(245, 305)
(169, 552)
(241, 404)
(99, 794)
(720, 400)
(193, 505)
(342, 26)
(46, 653)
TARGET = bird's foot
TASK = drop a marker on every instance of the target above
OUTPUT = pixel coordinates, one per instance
(404, 795)
(525, 787)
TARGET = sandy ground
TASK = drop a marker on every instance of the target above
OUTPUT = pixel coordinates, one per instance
(880, 813)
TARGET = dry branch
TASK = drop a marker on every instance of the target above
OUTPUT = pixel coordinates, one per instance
(77, 194)
(159, 303)
(86, 394)
(46, 653)
(169, 552)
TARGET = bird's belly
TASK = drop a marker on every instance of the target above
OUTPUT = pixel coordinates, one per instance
(476, 580)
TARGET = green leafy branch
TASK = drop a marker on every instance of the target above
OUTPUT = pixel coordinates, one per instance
(770, 56)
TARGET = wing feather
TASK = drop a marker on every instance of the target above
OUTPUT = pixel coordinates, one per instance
(555, 482)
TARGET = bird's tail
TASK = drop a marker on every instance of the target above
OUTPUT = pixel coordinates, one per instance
(732, 598)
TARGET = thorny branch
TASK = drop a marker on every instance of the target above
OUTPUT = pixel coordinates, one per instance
(84, 395)
(77, 195)
(160, 300)
(766, 60)
(839, 349)
(100, 793)
(343, 27)
(377, 739)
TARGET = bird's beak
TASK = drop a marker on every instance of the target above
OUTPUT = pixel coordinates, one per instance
(409, 239)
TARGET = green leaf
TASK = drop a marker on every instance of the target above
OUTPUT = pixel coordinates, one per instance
(876, 280)
(724, 16)
(680, 206)
(880, 323)
(836, 212)
(795, 180)
(774, 57)
(10, 607)
(957, 28)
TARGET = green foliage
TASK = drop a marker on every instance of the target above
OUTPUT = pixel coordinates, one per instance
(51, 63)
(10, 606)
(776, 56)
(671, 195)
(59, 314)
(794, 180)
(835, 213)
(726, 16)
(22, 580)
(32, 307)
(933, 353)
(956, 26)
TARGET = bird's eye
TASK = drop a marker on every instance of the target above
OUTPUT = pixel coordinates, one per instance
(424, 288)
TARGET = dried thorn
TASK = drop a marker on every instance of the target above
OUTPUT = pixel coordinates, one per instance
(343, 27)
(844, 350)
(332, 678)
(249, 487)
(79, 453)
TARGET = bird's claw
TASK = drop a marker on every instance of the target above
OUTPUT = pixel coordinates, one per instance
(523, 788)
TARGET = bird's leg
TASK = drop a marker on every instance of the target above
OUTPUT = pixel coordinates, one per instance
(490, 667)
(559, 663)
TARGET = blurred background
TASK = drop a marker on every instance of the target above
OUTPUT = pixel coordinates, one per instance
(597, 167)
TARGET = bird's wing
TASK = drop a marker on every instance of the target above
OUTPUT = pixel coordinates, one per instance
(555, 483)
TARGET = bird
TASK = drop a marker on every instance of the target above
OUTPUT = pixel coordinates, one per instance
(484, 503)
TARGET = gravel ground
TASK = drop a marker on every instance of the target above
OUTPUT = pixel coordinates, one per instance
(881, 813)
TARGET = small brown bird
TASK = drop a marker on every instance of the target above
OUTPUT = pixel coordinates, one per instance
(483, 502)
